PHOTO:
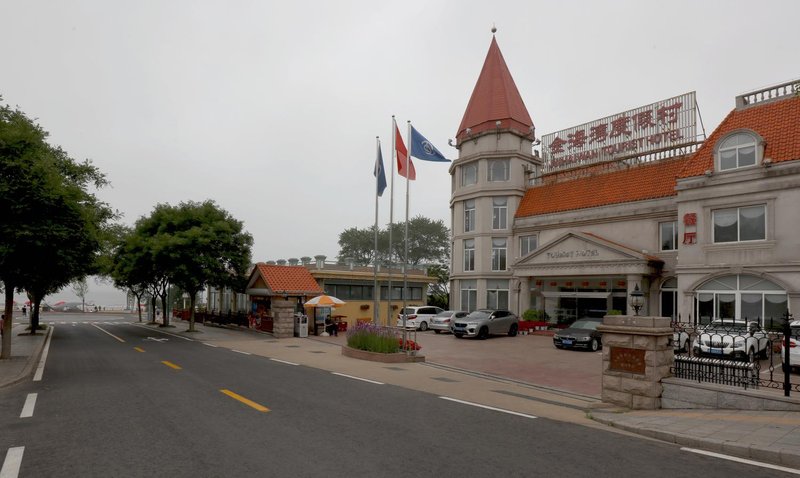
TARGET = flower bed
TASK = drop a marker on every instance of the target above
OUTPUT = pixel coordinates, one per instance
(381, 344)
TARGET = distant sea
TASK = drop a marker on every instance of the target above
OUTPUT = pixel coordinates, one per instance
(100, 294)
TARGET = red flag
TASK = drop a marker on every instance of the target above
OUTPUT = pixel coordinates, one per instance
(402, 157)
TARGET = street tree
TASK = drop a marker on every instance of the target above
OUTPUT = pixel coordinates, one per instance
(52, 224)
(202, 245)
(81, 287)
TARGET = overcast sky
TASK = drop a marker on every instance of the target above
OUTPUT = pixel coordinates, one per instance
(272, 108)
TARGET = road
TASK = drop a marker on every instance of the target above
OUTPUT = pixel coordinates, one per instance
(121, 399)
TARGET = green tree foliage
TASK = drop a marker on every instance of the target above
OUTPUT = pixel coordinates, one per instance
(428, 243)
(53, 226)
(189, 246)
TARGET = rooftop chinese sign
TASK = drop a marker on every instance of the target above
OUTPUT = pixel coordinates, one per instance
(654, 127)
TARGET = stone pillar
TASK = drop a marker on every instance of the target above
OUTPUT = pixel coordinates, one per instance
(637, 354)
(283, 318)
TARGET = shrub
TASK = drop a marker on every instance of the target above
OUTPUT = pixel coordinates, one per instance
(532, 315)
(373, 338)
(614, 312)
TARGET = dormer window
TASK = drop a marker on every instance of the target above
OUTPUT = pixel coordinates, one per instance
(737, 151)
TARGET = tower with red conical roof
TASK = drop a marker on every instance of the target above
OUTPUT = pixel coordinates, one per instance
(489, 179)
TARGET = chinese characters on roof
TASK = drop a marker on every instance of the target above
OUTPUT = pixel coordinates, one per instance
(642, 130)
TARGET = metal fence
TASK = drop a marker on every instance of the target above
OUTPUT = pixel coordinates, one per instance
(749, 353)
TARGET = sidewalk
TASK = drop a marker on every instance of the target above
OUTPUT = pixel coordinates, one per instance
(772, 437)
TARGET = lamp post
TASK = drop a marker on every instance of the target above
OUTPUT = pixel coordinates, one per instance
(637, 299)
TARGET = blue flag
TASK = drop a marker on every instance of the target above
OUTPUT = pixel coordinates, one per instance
(379, 172)
(422, 149)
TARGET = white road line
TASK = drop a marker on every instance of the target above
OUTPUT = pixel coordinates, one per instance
(165, 333)
(210, 345)
(793, 471)
(13, 461)
(37, 377)
(30, 403)
(357, 378)
(283, 361)
(107, 332)
(240, 352)
(488, 407)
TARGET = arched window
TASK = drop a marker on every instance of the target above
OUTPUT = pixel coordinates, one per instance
(741, 298)
(737, 151)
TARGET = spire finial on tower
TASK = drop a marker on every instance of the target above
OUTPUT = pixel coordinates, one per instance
(494, 29)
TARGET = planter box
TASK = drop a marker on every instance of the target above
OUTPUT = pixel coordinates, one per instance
(530, 326)
(399, 357)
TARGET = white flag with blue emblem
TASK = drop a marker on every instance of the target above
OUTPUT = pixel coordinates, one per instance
(422, 149)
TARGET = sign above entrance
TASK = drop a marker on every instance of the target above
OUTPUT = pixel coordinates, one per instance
(667, 123)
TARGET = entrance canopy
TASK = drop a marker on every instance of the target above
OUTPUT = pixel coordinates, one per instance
(586, 254)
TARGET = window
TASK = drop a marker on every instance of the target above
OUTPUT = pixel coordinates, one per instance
(469, 295)
(469, 254)
(415, 293)
(497, 294)
(498, 254)
(498, 170)
(737, 151)
(740, 224)
(527, 244)
(741, 297)
(469, 174)
(499, 213)
(668, 235)
(669, 298)
(469, 215)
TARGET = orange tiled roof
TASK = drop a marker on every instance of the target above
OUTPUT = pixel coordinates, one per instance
(288, 279)
(495, 98)
(648, 181)
(777, 123)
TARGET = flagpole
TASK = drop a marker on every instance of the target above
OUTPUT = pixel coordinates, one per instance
(375, 291)
(391, 223)
(405, 254)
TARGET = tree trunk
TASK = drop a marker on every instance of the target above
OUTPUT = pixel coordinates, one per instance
(191, 312)
(138, 305)
(35, 314)
(8, 321)
(164, 314)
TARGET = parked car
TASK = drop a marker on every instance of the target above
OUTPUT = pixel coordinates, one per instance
(441, 322)
(484, 322)
(418, 317)
(680, 338)
(732, 339)
(794, 347)
(582, 334)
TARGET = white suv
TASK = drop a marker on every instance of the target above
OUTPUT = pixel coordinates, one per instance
(418, 317)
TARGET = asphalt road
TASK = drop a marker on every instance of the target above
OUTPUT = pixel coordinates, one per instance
(118, 400)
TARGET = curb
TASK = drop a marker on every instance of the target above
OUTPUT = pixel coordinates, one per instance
(718, 446)
(33, 359)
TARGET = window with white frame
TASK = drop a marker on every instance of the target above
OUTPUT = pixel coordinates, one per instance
(498, 170)
(469, 174)
(497, 294)
(469, 254)
(668, 235)
(739, 224)
(741, 297)
(527, 244)
(469, 295)
(469, 215)
(498, 254)
(737, 151)
(499, 213)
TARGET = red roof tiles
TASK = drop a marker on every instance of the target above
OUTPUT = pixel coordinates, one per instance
(648, 181)
(495, 98)
(777, 123)
(288, 279)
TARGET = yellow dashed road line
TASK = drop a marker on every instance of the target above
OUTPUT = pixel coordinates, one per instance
(246, 401)
(171, 365)
(138, 349)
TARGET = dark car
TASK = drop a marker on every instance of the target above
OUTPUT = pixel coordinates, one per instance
(581, 334)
